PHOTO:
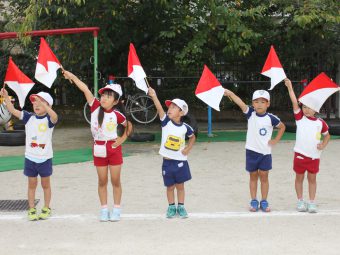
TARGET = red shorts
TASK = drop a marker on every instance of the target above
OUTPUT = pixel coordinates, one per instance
(114, 155)
(303, 164)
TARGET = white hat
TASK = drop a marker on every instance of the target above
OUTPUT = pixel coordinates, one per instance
(43, 95)
(180, 103)
(114, 87)
(261, 94)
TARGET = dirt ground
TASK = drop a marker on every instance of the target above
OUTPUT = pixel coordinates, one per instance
(216, 199)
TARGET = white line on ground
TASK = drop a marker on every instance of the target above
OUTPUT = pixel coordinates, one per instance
(216, 215)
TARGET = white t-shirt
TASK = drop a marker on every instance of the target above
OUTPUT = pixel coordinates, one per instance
(173, 138)
(260, 129)
(39, 131)
(108, 129)
(308, 134)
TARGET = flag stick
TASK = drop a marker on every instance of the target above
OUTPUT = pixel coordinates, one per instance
(147, 83)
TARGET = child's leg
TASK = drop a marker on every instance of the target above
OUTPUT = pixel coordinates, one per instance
(253, 183)
(102, 184)
(299, 185)
(170, 194)
(311, 185)
(46, 185)
(32, 186)
(180, 193)
(264, 184)
(116, 185)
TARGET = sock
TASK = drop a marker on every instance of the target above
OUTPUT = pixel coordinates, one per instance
(182, 204)
(104, 206)
(172, 204)
(116, 206)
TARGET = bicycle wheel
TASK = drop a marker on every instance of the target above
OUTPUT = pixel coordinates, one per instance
(87, 113)
(142, 109)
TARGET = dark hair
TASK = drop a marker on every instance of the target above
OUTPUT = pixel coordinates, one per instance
(191, 121)
(119, 107)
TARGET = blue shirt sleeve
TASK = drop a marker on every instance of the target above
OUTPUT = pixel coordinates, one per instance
(165, 120)
(50, 123)
(190, 130)
(26, 116)
(274, 119)
(249, 112)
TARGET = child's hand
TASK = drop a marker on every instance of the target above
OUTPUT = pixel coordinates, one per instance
(227, 92)
(272, 143)
(185, 151)
(67, 75)
(288, 83)
(4, 93)
(152, 92)
(320, 146)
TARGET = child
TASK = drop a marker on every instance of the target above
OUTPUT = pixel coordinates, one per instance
(38, 153)
(307, 149)
(175, 168)
(107, 149)
(259, 143)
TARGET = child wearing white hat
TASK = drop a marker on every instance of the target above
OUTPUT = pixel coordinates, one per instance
(39, 127)
(175, 167)
(259, 143)
(107, 149)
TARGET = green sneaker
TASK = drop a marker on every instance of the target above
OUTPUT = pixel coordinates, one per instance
(45, 213)
(171, 212)
(32, 214)
(182, 212)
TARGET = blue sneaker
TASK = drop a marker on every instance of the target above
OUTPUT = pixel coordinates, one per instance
(104, 214)
(182, 212)
(115, 214)
(301, 206)
(171, 212)
(254, 205)
(312, 208)
(264, 206)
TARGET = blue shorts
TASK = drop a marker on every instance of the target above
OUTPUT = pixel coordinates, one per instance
(32, 169)
(175, 172)
(257, 161)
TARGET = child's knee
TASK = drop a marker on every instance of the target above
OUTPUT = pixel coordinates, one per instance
(171, 188)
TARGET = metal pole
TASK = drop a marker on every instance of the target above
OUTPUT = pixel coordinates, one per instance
(209, 123)
(95, 66)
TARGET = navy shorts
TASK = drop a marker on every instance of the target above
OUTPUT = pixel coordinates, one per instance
(257, 161)
(175, 172)
(32, 169)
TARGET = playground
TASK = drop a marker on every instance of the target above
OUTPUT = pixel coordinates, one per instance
(217, 203)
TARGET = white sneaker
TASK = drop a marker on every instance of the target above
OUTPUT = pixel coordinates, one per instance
(312, 208)
(301, 206)
(115, 214)
(104, 214)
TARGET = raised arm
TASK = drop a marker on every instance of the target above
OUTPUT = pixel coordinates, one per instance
(236, 99)
(81, 85)
(9, 104)
(49, 110)
(292, 96)
(152, 94)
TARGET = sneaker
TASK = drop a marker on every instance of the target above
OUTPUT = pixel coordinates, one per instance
(312, 208)
(115, 214)
(104, 214)
(182, 212)
(171, 212)
(32, 214)
(45, 213)
(264, 205)
(254, 205)
(301, 206)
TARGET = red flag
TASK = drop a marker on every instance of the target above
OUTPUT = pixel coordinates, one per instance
(18, 82)
(317, 92)
(209, 89)
(273, 69)
(135, 69)
(47, 65)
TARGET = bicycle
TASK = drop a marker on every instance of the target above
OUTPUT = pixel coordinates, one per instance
(139, 106)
